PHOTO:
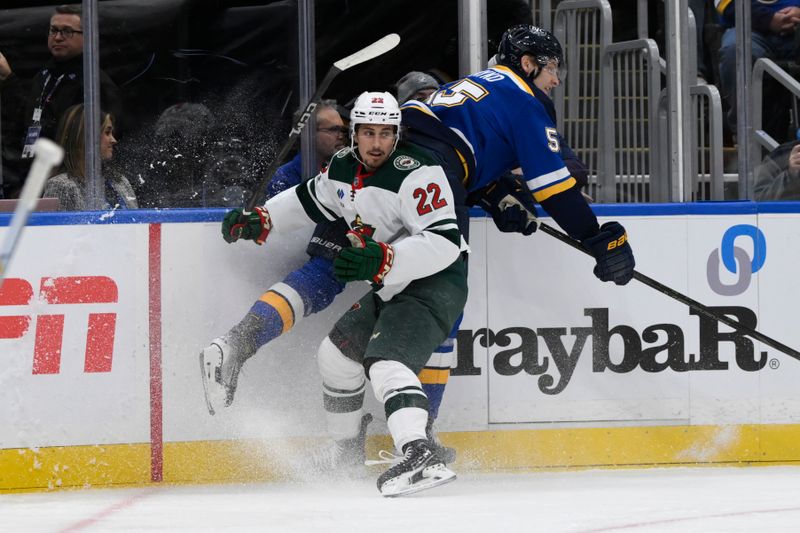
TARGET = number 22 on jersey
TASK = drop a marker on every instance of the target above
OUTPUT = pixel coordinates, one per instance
(424, 206)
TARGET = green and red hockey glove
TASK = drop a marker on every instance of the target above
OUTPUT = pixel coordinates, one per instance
(613, 254)
(366, 259)
(253, 226)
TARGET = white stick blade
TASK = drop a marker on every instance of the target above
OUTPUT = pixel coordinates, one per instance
(379, 47)
(47, 154)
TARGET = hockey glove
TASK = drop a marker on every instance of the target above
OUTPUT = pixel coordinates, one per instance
(511, 205)
(253, 226)
(613, 254)
(365, 259)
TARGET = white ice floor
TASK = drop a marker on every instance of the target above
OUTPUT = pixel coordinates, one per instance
(662, 500)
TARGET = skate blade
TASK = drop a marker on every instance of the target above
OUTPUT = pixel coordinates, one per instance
(432, 477)
(214, 392)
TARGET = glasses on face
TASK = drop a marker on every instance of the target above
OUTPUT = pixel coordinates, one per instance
(66, 33)
(339, 131)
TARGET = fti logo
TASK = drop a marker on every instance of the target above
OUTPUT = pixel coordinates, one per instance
(736, 260)
(65, 293)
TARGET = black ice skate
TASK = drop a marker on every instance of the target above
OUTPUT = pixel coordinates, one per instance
(421, 468)
(343, 456)
(220, 364)
(447, 454)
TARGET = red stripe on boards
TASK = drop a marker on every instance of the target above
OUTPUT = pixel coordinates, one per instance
(156, 393)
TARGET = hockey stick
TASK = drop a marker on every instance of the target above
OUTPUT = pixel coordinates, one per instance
(379, 47)
(672, 293)
(47, 154)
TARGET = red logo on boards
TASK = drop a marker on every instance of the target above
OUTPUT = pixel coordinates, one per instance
(69, 290)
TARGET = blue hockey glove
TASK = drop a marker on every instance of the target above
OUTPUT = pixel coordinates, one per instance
(253, 226)
(613, 254)
(366, 259)
(510, 204)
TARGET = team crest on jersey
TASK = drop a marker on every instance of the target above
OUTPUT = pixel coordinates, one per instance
(364, 229)
(403, 162)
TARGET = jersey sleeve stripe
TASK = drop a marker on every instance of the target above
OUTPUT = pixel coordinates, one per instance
(546, 180)
(446, 221)
(502, 69)
(561, 186)
(452, 235)
(315, 210)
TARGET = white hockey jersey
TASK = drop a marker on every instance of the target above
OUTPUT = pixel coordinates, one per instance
(407, 203)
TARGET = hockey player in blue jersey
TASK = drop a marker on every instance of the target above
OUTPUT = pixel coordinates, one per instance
(488, 123)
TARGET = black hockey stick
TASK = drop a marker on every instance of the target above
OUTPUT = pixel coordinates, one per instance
(672, 293)
(379, 47)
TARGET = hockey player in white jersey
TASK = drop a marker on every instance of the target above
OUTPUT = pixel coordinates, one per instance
(405, 242)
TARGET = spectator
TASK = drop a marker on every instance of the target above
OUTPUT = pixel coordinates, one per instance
(331, 134)
(69, 185)
(57, 86)
(778, 176)
(416, 86)
(182, 143)
(698, 8)
(773, 37)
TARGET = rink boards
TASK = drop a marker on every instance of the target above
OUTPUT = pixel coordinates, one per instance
(102, 317)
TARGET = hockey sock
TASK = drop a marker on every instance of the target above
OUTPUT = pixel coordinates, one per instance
(404, 402)
(436, 372)
(343, 385)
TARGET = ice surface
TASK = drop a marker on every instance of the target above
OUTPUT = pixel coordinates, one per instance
(653, 500)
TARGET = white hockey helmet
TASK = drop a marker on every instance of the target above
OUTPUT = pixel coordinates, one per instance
(375, 108)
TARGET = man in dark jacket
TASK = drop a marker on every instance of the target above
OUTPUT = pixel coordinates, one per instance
(33, 110)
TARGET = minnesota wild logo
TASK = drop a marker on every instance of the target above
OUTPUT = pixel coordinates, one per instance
(404, 162)
(364, 229)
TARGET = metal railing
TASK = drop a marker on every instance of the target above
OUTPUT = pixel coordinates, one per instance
(760, 140)
(584, 29)
(630, 92)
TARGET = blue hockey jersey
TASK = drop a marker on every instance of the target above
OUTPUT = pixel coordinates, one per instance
(497, 115)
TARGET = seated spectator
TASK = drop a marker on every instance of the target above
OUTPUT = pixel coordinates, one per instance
(773, 37)
(698, 9)
(416, 86)
(331, 134)
(176, 153)
(69, 183)
(227, 174)
(778, 176)
(33, 112)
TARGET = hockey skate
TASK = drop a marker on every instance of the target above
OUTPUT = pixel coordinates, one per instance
(446, 454)
(343, 456)
(220, 364)
(420, 469)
